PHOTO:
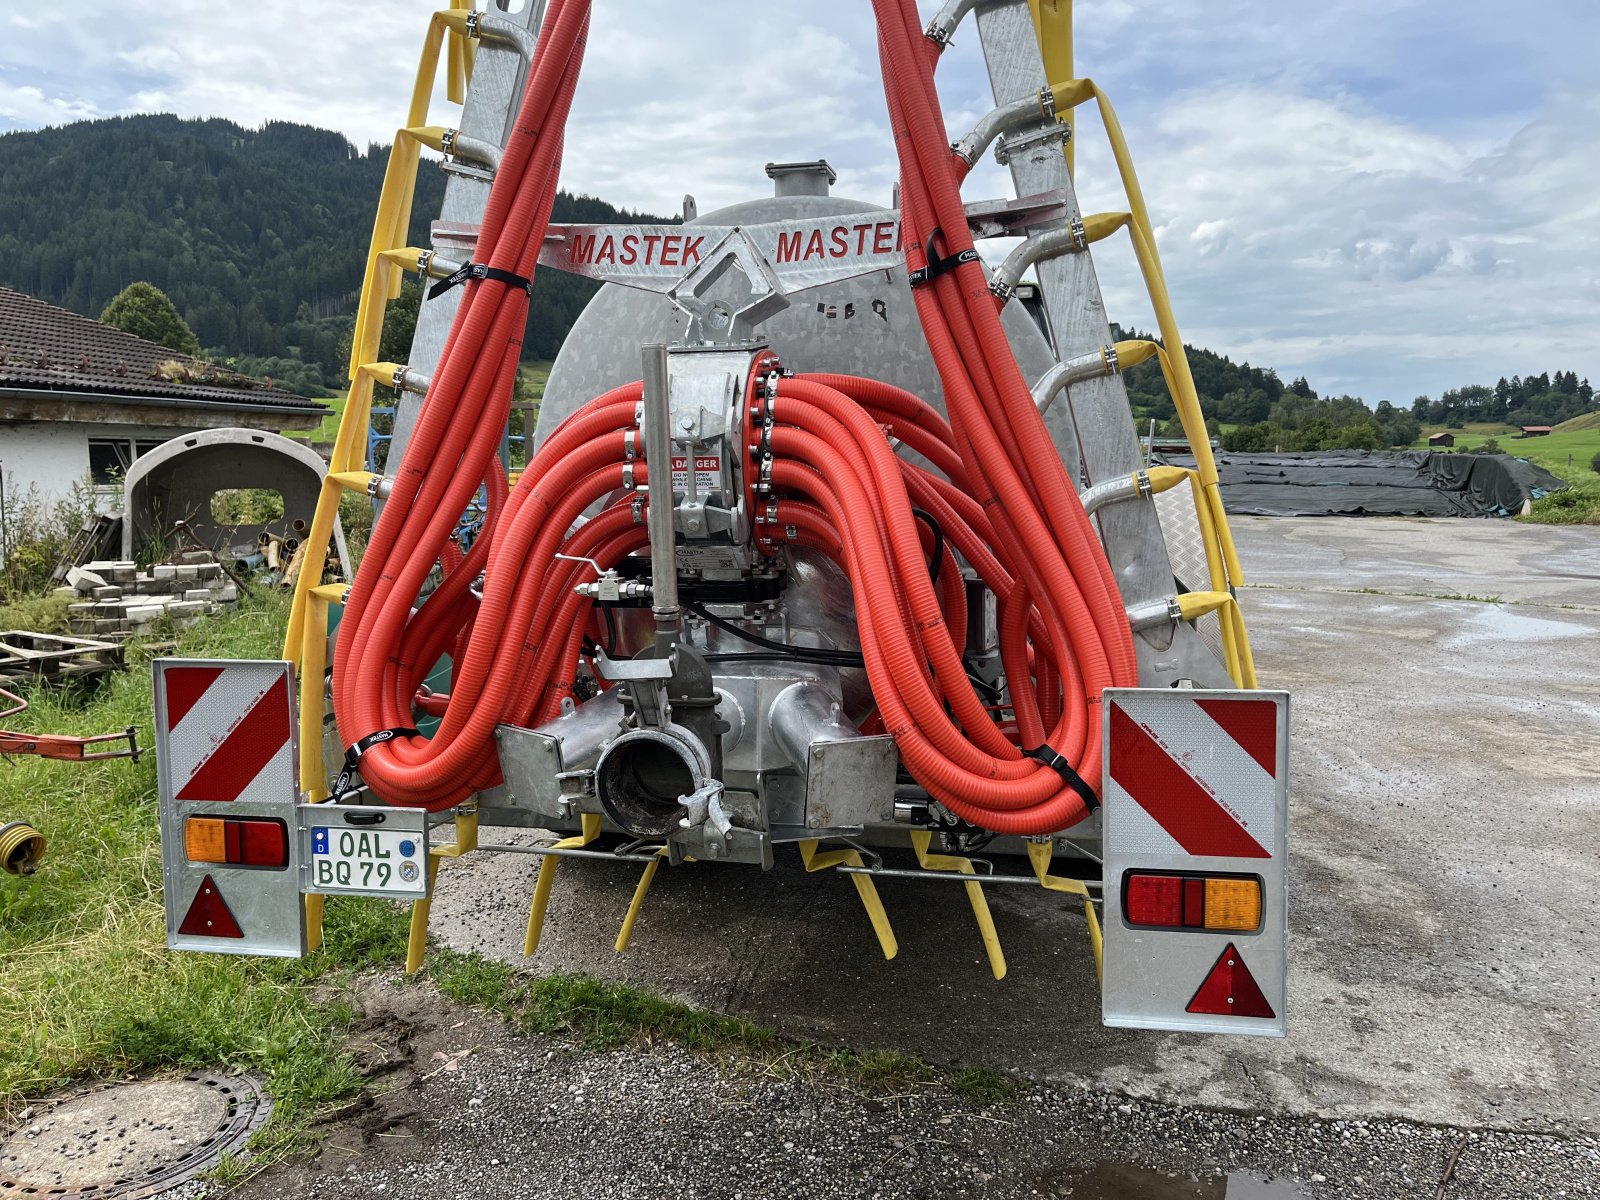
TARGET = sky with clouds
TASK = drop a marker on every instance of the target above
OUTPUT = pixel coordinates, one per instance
(1390, 198)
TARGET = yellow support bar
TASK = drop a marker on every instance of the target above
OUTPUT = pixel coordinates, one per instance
(589, 825)
(866, 889)
(466, 842)
(920, 840)
(1039, 855)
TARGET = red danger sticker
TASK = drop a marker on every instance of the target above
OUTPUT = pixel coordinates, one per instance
(707, 473)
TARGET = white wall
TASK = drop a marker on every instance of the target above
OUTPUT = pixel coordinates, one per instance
(51, 455)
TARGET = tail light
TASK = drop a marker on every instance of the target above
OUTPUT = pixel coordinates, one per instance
(236, 841)
(1169, 900)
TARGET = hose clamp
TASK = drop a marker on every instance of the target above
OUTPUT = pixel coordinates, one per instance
(765, 445)
(630, 444)
(937, 34)
(1047, 102)
(447, 142)
(424, 257)
(1113, 364)
(638, 415)
(1001, 287)
(473, 20)
(627, 476)
(764, 482)
(1142, 485)
(379, 486)
(638, 508)
(1080, 234)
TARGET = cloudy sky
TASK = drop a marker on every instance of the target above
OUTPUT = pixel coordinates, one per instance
(1388, 197)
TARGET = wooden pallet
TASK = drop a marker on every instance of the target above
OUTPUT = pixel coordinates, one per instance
(25, 655)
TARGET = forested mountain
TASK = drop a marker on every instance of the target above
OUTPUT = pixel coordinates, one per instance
(259, 236)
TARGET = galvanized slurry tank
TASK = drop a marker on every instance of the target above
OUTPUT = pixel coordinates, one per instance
(863, 326)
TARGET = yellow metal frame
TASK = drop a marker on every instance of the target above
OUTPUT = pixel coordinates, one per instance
(306, 640)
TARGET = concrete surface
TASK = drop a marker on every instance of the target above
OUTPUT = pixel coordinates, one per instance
(461, 1103)
(1445, 885)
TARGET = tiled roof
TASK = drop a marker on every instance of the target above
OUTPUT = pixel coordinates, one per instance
(48, 348)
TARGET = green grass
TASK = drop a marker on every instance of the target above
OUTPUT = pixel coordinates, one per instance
(89, 989)
(35, 614)
(608, 1016)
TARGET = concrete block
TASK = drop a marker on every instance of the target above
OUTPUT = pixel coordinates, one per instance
(107, 625)
(124, 573)
(79, 611)
(210, 570)
(101, 566)
(83, 580)
(107, 592)
(196, 594)
(228, 593)
(196, 556)
(143, 613)
(186, 608)
(166, 571)
(188, 571)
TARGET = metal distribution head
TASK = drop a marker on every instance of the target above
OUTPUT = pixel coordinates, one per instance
(731, 317)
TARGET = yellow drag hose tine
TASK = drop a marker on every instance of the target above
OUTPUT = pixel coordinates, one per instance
(314, 907)
(920, 840)
(866, 890)
(625, 934)
(1039, 854)
(590, 825)
(417, 942)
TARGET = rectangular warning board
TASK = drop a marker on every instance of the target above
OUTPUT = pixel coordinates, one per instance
(1196, 809)
(227, 773)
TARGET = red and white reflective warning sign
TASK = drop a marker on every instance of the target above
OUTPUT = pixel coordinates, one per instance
(226, 753)
(1195, 824)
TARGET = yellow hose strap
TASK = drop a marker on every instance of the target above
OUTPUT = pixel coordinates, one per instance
(920, 840)
(1039, 855)
(589, 823)
(866, 890)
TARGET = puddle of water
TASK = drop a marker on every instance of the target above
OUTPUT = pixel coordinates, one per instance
(1124, 1181)
(1492, 623)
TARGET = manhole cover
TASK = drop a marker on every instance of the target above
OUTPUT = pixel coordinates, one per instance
(130, 1139)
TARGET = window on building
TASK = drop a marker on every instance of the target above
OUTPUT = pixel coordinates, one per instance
(109, 460)
(144, 445)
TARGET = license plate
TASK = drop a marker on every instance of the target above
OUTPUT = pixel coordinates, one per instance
(368, 862)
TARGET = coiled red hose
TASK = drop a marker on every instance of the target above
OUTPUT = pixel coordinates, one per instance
(996, 489)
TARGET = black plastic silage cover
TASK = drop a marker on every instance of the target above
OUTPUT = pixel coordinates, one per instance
(1376, 483)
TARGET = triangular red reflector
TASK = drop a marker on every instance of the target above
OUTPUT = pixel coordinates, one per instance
(1230, 990)
(208, 914)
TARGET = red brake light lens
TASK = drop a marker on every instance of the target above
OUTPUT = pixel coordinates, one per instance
(1166, 900)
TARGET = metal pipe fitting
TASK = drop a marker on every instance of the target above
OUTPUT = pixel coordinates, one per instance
(1035, 109)
(663, 534)
(1097, 364)
(1067, 239)
(644, 778)
(1125, 487)
(943, 26)
(1154, 613)
(805, 713)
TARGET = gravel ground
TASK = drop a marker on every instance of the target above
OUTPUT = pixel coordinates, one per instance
(463, 1098)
